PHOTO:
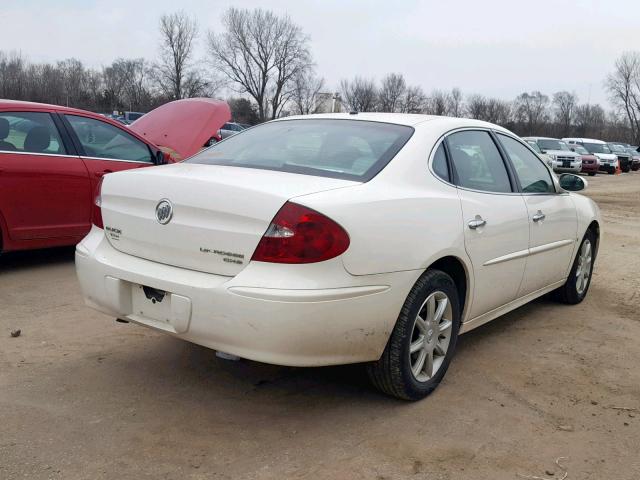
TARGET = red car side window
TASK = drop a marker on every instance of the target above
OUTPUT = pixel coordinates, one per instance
(32, 132)
(103, 140)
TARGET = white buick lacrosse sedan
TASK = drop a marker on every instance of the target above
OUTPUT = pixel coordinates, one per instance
(343, 238)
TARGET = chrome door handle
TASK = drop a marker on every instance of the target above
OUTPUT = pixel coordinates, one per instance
(538, 216)
(477, 222)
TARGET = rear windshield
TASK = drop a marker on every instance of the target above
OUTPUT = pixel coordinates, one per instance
(347, 149)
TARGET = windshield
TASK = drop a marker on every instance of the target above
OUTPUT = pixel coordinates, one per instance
(550, 144)
(347, 149)
(535, 146)
(581, 150)
(617, 148)
(596, 147)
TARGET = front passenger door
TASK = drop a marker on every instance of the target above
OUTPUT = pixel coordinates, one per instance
(553, 222)
(496, 229)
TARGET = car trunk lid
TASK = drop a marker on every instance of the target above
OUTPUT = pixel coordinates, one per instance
(182, 127)
(218, 213)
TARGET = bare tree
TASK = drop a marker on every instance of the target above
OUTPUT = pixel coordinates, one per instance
(174, 72)
(414, 100)
(456, 107)
(624, 88)
(565, 105)
(360, 95)
(391, 92)
(438, 103)
(590, 121)
(491, 110)
(305, 91)
(477, 107)
(261, 54)
(531, 111)
(12, 81)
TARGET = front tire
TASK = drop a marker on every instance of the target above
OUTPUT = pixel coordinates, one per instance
(423, 340)
(577, 285)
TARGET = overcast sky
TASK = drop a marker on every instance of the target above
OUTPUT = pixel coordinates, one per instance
(495, 47)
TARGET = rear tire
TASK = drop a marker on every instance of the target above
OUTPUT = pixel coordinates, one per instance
(592, 174)
(577, 285)
(420, 334)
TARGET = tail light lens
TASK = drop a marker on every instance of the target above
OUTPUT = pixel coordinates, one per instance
(299, 234)
(96, 210)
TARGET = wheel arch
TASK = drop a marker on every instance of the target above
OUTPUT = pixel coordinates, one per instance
(458, 271)
(594, 227)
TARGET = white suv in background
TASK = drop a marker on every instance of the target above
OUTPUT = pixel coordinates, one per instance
(608, 160)
(562, 158)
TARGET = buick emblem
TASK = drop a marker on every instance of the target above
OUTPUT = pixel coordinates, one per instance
(164, 211)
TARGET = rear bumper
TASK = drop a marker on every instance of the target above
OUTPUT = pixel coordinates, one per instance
(266, 313)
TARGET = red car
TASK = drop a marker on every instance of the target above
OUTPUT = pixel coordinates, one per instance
(52, 159)
(590, 162)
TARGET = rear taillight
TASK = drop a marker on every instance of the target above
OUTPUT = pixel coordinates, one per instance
(298, 234)
(96, 210)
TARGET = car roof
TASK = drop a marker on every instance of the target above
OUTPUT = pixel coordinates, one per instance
(584, 140)
(10, 104)
(541, 138)
(408, 119)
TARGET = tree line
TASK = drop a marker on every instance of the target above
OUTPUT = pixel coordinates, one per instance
(265, 60)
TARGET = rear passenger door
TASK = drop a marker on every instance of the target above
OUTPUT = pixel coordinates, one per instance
(105, 148)
(552, 219)
(496, 229)
(44, 185)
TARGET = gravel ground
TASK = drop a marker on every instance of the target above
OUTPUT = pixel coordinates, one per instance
(82, 396)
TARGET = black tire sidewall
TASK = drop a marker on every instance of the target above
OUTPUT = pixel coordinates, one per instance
(571, 285)
(438, 281)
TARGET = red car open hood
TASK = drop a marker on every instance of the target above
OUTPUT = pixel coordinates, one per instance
(182, 127)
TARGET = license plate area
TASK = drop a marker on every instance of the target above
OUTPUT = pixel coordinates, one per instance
(152, 303)
(566, 163)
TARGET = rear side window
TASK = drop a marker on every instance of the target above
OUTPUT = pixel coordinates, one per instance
(440, 164)
(32, 132)
(103, 140)
(348, 149)
(534, 177)
(477, 162)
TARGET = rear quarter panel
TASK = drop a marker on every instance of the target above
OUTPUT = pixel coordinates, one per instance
(403, 219)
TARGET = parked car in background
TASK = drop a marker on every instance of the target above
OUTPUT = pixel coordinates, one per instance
(562, 158)
(309, 241)
(547, 159)
(635, 159)
(53, 158)
(131, 117)
(590, 163)
(635, 156)
(608, 160)
(624, 158)
(229, 129)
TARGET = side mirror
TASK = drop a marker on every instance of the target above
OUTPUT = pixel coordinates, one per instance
(572, 183)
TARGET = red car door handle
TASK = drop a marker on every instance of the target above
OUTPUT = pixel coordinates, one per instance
(102, 173)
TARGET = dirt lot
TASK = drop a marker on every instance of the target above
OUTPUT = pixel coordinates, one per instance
(82, 396)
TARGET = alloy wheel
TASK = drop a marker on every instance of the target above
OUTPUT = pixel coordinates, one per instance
(583, 272)
(430, 336)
